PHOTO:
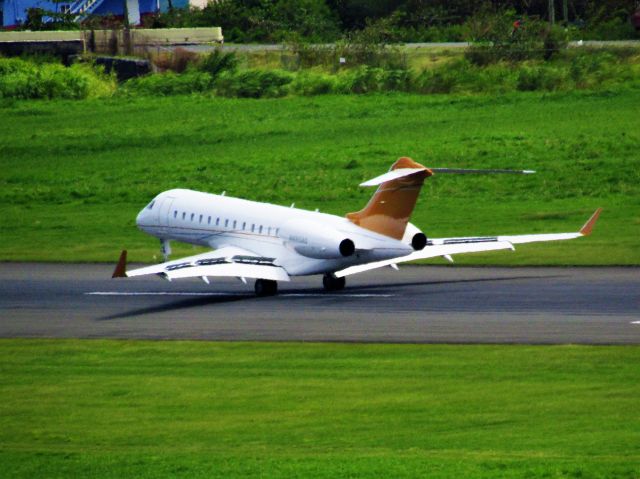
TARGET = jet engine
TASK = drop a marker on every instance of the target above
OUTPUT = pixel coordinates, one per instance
(414, 237)
(315, 240)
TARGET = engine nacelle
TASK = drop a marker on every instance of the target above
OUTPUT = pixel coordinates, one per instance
(414, 237)
(419, 241)
(314, 240)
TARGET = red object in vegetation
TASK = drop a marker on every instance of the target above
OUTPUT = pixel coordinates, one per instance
(635, 19)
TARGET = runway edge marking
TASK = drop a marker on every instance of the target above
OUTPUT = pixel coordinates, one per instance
(200, 293)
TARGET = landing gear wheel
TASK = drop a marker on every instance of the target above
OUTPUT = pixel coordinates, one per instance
(333, 283)
(266, 287)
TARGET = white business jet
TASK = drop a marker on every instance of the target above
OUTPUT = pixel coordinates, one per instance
(271, 243)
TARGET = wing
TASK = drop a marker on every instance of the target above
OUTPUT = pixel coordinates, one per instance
(228, 261)
(449, 246)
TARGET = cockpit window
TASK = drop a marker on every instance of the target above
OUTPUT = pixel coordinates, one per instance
(150, 207)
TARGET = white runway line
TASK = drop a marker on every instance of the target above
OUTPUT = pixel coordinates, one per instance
(200, 293)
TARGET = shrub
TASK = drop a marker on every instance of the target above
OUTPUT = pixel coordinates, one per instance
(254, 83)
(397, 80)
(309, 83)
(361, 80)
(443, 79)
(503, 36)
(217, 61)
(542, 77)
(20, 79)
(169, 83)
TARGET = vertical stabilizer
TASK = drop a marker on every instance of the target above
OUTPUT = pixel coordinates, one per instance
(390, 208)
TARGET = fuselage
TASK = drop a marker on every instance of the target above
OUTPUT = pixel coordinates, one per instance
(302, 242)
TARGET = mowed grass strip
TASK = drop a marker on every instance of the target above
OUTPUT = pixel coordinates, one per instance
(75, 174)
(85, 408)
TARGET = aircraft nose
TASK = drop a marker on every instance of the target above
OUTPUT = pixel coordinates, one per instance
(140, 217)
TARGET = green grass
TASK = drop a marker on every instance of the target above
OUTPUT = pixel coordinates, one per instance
(75, 174)
(196, 409)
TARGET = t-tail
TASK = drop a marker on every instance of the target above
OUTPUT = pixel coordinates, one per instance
(390, 208)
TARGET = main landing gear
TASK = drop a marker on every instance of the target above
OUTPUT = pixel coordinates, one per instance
(332, 283)
(266, 287)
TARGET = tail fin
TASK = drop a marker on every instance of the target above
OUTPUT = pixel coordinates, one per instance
(390, 208)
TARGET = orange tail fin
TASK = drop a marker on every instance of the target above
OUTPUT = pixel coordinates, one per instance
(390, 208)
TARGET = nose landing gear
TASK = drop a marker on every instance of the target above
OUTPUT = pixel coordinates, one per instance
(165, 249)
(332, 283)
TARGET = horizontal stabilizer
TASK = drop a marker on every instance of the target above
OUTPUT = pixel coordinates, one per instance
(464, 171)
(392, 175)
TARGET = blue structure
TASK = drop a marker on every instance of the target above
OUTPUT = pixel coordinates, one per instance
(14, 12)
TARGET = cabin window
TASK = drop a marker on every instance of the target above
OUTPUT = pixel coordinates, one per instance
(253, 227)
(175, 213)
(200, 218)
(234, 224)
(192, 216)
(150, 207)
(269, 230)
(217, 221)
(209, 220)
(277, 231)
(226, 223)
(260, 230)
(184, 214)
(244, 224)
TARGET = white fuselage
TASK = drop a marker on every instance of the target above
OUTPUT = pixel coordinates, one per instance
(302, 242)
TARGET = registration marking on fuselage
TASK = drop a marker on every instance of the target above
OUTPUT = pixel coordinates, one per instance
(202, 293)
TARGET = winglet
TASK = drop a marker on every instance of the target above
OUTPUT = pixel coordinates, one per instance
(121, 267)
(588, 226)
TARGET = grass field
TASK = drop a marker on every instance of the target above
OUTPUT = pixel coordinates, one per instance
(75, 174)
(197, 409)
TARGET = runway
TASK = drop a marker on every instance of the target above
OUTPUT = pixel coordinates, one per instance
(416, 304)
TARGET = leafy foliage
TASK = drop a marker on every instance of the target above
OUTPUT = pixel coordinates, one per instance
(170, 83)
(21, 79)
(254, 83)
(218, 61)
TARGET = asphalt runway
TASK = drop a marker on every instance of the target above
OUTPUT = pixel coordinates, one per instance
(416, 304)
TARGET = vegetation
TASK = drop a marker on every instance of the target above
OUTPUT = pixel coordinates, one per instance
(23, 79)
(75, 174)
(321, 21)
(199, 409)
(352, 67)
(405, 20)
(573, 70)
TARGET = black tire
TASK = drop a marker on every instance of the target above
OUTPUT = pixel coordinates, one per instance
(332, 283)
(266, 287)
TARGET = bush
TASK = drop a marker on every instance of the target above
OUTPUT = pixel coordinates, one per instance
(169, 83)
(361, 80)
(309, 83)
(443, 79)
(542, 77)
(503, 36)
(20, 79)
(217, 61)
(254, 83)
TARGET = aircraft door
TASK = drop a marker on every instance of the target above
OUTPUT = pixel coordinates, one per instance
(164, 211)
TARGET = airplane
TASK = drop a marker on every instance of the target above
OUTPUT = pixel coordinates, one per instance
(271, 243)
